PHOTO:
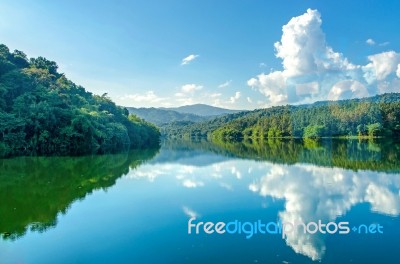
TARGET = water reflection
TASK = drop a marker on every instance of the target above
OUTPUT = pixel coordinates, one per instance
(287, 180)
(34, 190)
(314, 193)
(348, 173)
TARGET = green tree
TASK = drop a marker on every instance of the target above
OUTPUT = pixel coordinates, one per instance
(374, 129)
(313, 131)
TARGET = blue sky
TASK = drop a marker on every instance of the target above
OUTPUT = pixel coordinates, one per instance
(135, 50)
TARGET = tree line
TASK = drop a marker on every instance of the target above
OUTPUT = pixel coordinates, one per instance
(372, 117)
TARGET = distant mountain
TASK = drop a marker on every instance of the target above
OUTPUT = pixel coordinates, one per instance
(203, 110)
(188, 113)
(164, 116)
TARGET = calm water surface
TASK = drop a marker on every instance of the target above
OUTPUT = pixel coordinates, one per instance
(135, 207)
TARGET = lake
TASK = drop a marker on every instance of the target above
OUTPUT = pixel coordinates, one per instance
(135, 207)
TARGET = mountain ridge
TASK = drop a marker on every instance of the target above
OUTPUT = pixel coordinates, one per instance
(188, 113)
(160, 117)
(202, 110)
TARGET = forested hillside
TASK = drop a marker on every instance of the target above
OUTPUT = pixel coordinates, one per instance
(161, 117)
(44, 113)
(377, 116)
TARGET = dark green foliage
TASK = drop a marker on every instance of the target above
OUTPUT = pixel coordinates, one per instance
(199, 129)
(314, 131)
(44, 113)
(374, 129)
(377, 116)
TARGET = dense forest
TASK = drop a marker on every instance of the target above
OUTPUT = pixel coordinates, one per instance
(44, 113)
(372, 117)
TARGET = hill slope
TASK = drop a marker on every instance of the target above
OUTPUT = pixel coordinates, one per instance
(44, 113)
(160, 116)
(367, 117)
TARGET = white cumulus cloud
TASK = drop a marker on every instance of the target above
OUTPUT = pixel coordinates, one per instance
(234, 98)
(348, 89)
(398, 71)
(313, 71)
(303, 48)
(381, 65)
(272, 85)
(307, 88)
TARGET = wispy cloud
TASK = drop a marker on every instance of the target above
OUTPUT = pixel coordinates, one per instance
(225, 84)
(226, 186)
(215, 95)
(189, 59)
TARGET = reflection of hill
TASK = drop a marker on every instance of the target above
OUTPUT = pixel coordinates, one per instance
(33, 190)
(349, 154)
(200, 153)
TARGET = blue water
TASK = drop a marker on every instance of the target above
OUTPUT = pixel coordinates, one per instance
(143, 216)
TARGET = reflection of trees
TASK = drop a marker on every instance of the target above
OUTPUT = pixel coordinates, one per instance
(376, 155)
(312, 143)
(349, 154)
(33, 190)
